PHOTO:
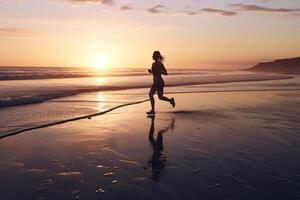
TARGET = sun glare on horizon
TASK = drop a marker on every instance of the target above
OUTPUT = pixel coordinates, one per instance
(100, 62)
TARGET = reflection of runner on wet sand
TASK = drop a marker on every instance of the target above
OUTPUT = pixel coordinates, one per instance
(158, 159)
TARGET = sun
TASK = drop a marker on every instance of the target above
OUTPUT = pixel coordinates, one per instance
(100, 62)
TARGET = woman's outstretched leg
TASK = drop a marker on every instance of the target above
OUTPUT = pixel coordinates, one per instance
(161, 96)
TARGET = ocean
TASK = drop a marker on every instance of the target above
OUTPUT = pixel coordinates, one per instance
(30, 96)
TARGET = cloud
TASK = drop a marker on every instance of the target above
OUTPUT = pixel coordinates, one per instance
(257, 8)
(126, 7)
(156, 9)
(160, 9)
(218, 11)
(15, 32)
(107, 2)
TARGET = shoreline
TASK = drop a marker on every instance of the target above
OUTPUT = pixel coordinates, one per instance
(15, 132)
(44, 97)
(89, 116)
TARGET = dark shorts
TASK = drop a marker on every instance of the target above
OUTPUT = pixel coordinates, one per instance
(158, 86)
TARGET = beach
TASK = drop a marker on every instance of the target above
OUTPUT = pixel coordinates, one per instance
(149, 100)
(237, 140)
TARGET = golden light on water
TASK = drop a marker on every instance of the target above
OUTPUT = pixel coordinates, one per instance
(100, 100)
(100, 81)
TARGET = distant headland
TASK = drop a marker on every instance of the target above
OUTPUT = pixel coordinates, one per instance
(287, 66)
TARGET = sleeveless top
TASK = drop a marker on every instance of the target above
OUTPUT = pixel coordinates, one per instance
(157, 69)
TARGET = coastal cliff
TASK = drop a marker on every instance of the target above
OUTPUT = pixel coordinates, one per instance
(288, 66)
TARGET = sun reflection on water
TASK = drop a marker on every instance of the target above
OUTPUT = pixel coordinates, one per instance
(100, 99)
(100, 81)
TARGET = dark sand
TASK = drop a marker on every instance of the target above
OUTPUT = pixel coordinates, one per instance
(223, 145)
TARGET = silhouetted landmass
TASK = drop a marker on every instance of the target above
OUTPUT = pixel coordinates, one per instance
(287, 66)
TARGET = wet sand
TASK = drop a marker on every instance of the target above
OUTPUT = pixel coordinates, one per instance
(216, 145)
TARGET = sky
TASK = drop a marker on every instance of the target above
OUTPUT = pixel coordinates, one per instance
(221, 34)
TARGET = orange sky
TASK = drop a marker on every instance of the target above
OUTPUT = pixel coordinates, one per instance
(111, 33)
